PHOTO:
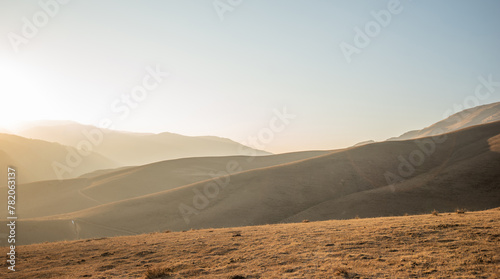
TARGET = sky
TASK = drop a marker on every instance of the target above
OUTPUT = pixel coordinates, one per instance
(343, 71)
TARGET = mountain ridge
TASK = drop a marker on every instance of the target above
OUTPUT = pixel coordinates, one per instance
(469, 117)
(131, 149)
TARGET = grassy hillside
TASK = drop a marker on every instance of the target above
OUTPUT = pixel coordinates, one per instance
(446, 245)
(461, 171)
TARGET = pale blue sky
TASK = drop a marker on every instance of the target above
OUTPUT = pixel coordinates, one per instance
(228, 76)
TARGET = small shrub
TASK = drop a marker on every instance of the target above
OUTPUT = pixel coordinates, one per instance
(305, 221)
(435, 212)
(341, 271)
(158, 273)
(406, 214)
(356, 217)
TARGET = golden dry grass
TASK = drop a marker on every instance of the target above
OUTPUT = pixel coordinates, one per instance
(425, 246)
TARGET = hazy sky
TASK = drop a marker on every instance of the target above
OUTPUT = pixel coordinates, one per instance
(227, 76)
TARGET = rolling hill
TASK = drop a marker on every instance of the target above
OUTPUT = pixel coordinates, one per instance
(459, 169)
(54, 197)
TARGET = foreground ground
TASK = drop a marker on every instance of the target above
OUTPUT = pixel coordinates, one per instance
(448, 245)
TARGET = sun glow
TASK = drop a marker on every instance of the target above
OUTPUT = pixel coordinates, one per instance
(22, 98)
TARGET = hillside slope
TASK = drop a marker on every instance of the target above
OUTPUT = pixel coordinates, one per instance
(463, 119)
(461, 171)
(35, 159)
(47, 198)
(426, 246)
(468, 178)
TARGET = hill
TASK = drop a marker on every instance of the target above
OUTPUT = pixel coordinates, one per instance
(41, 160)
(463, 119)
(53, 197)
(132, 149)
(453, 171)
(448, 245)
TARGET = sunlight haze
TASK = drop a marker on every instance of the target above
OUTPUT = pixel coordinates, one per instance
(227, 76)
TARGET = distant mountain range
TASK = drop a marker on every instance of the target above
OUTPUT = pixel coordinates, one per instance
(131, 149)
(68, 150)
(41, 160)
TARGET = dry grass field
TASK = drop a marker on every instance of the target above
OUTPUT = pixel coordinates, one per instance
(434, 245)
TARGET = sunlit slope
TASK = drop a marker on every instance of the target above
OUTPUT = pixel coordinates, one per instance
(463, 119)
(449, 245)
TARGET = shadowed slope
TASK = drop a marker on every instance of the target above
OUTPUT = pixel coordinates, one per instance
(55, 197)
(452, 173)
(469, 178)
